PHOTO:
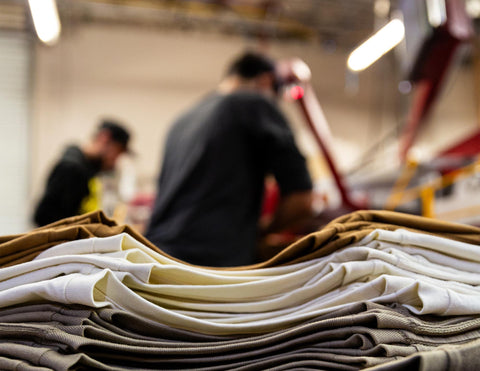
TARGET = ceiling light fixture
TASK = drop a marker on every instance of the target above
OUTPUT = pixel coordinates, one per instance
(376, 46)
(436, 11)
(46, 20)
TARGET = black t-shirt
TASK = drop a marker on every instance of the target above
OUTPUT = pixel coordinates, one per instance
(66, 186)
(211, 184)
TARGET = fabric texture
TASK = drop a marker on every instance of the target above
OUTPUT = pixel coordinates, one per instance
(362, 335)
(120, 272)
(212, 178)
(19, 248)
(339, 233)
(351, 228)
(371, 290)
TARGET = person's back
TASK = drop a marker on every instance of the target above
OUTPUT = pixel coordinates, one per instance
(211, 185)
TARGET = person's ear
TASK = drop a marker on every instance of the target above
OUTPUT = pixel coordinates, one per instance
(265, 81)
(104, 136)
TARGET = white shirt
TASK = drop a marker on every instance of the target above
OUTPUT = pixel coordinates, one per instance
(427, 274)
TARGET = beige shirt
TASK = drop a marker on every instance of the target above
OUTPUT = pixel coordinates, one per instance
(120, 272)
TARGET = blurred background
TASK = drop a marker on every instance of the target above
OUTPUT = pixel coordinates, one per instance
(391, 125)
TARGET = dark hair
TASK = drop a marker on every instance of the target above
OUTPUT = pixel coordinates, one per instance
(250, 65)
(117, 131)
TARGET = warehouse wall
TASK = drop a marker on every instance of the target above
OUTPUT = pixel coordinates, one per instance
(15, 48)
(147, 77)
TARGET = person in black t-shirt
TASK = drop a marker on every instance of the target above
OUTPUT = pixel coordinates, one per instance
(69, 184)
(216, 158)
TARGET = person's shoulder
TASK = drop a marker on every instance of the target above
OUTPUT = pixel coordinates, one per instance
(72, 158)
(247, 96)
(72, 152)
(252, 102)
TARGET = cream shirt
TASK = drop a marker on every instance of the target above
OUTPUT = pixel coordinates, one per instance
(427, 274)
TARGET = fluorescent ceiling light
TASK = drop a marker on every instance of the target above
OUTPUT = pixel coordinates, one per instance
(377, 45)
(46, 20)
(437, 13)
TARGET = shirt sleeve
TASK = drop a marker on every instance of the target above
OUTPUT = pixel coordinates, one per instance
(279, 150)
(65, 189)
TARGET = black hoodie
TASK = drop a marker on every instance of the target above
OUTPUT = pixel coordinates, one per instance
(66, 187)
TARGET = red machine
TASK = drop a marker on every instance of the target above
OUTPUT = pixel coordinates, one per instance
(431, 65)
(428, 70)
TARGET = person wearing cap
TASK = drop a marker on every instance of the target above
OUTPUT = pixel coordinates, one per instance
(71, 188)
(216, 158)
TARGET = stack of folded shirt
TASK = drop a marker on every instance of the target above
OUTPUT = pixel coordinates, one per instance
(379, 290)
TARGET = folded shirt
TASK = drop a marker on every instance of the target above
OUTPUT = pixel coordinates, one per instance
(343, 231)
(360, 335)
(368, 289)
(121, 272)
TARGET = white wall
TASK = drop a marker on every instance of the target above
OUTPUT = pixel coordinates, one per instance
(15, 50)
(143, 78)
(146, 77)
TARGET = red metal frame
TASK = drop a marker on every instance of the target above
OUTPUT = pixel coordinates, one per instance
(320, 130)
(431, 66)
